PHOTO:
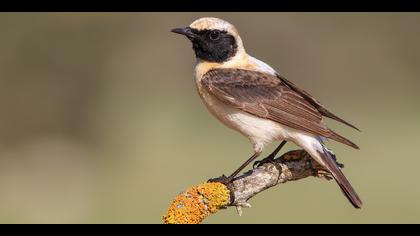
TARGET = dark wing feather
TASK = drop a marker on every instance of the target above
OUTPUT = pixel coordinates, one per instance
(266, 96)
(314, 102)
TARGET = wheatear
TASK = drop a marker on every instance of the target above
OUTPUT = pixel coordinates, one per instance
(249, 96)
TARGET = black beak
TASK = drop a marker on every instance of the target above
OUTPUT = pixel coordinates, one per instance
(184, 31)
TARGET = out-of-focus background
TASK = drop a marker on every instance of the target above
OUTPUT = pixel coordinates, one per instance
(100, 121)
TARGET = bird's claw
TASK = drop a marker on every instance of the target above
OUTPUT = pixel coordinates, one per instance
(341, 165)
(222, 179)
(263, 161)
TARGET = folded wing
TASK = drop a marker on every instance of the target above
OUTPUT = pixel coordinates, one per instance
(267, 96)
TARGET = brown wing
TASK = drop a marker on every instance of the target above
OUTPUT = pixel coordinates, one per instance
(314, 102)
(266, 96)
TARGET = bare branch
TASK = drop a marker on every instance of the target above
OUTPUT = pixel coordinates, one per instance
(291, 166)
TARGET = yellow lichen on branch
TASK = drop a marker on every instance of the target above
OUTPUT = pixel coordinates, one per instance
(196, 203)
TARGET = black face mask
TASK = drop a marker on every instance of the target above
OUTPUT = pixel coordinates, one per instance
(213, 45)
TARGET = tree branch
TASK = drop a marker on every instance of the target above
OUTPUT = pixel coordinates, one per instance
(291, 166)
(198, 202)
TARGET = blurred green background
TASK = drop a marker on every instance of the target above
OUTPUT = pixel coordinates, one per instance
(101, 122)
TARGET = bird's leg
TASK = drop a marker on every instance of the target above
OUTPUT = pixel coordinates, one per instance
(226, 180)
(270, 158)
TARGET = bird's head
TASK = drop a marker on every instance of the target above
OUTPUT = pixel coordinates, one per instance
(213, 39)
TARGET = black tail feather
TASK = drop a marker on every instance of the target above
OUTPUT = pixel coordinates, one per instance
(349, 192)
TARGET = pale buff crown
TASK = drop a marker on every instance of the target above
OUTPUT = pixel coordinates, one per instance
(212, 23)
(240, 61)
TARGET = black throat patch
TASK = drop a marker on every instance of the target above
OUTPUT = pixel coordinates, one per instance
(213, 45)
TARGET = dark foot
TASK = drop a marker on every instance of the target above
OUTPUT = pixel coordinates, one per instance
(341, 165)
(269, 159)
(222, 179)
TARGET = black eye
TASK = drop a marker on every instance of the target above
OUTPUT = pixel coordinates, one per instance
(214, 35)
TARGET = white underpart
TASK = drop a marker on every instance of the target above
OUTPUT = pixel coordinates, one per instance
(312, 145)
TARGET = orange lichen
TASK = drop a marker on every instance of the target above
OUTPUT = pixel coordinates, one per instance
(196, 203)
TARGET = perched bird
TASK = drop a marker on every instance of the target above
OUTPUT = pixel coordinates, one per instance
(249, 96)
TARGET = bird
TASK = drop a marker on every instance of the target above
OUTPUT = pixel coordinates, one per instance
(249, 96)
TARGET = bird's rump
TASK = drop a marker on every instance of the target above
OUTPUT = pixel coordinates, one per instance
(267, 96)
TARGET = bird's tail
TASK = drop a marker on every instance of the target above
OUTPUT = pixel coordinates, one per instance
(329, 162)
